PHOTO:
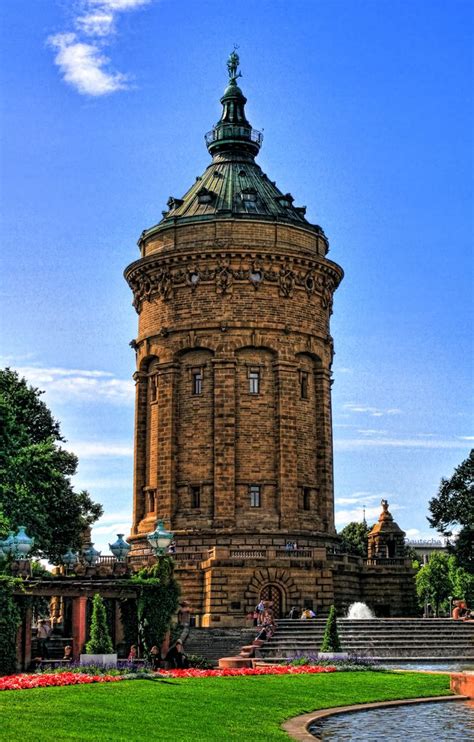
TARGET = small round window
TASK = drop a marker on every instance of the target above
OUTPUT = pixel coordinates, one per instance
(256, 276)
(194, 277)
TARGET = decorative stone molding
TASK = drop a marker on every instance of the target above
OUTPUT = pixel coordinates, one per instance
(159, 278)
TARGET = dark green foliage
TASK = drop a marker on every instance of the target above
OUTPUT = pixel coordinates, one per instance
(35, 486)
(443, 577)
(331, 641)
(129, 616)
(433, 581)
(100, 641)
(354, 538)
(10, 617)
(454, 506)
(199, 661)
(157, 601)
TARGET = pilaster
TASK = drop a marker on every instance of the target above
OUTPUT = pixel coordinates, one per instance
(285, 386)
(224, 441)
(324, 463)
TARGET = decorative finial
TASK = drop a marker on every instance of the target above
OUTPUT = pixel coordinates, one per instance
(232, 64)
(384, 505)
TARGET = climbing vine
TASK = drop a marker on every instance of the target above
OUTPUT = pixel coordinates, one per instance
(10, 618)
(149, 616)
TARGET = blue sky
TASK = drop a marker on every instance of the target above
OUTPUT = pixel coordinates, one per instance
(367, 111)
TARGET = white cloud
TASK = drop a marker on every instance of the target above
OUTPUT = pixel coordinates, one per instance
(78, 384)
(466, 437)
(80, 55)
(100, 23)
(372, 432)
(82, 66)
(99, 449)
(118, 5)
(362, 498)
(351, 444)
(372, 411)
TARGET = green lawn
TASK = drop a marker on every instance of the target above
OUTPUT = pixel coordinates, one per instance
(195, 709)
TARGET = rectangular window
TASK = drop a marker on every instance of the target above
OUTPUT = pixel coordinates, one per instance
(304, 384)
(254, 490)
(195, 496)
(306, 498)
(254, 381)
(197, 381)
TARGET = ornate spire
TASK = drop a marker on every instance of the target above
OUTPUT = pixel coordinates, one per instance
(233, 133)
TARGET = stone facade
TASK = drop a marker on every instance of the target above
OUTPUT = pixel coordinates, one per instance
(233, 432)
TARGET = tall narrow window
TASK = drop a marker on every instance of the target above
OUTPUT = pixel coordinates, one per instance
(197, 381)
(306, 498)
(195, 496)
(254, 491)
(304, 384)
(254, 381)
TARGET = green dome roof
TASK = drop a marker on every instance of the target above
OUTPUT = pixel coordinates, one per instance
(233, 185)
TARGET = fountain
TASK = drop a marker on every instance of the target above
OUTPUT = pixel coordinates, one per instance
(359, 611)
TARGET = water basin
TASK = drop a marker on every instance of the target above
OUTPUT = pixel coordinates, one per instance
(425, 722)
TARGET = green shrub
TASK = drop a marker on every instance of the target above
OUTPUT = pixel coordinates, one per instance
(100, 641)
(331, 641)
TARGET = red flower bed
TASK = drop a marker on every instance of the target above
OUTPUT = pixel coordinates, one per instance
(193, 672)
(20, 682)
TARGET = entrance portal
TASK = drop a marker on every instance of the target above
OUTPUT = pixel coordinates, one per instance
(274, 595)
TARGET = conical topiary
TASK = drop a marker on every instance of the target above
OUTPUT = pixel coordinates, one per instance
(331, 641)
(100, 641)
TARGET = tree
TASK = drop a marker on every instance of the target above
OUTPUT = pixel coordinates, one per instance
(100, 641)
(354, 538)
(35, 486)
(454, 505)
(331, 641)
(434, 581)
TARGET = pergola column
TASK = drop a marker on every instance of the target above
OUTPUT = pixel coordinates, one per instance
(79, 624)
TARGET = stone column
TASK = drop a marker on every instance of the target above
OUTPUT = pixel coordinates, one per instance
(286, 384)
(324, 463)
(79, 624)
(140, 448)
(224, 441)
(165, 440)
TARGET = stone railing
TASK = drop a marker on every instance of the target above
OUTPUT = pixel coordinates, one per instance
(385, 562)
(248, 553)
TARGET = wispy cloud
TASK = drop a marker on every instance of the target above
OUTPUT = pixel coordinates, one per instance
(372, 411)
(80, 53)
(99, 449)
(350, 444)
(107, 527)
(362, 498)
(78, 384)
(466, 437)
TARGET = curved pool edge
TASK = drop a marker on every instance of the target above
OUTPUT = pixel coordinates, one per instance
(297, 727)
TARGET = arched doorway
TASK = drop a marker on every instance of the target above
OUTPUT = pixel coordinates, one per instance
(273, 594)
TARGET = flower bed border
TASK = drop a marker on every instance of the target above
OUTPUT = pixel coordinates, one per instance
(25, 681)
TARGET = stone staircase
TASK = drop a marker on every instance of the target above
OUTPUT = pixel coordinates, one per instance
(216, 643)
(378, 638)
